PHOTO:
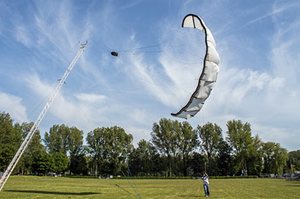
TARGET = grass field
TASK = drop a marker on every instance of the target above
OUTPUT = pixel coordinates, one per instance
(63, 187)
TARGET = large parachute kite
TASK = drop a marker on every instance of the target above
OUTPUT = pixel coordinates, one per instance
(209, 72)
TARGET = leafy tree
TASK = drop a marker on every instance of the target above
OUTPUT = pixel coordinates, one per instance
(268, 155)
(294, 160)
(210, 137)
(75, 141)
(34, 150)
(41, 164)
(68, 141)
(10, 140)
(239, 138)
(109, 148)
(64, 139)
(187, 142)
(281, 156)
(254, 159)
(57, 139)
(196, 164)
(144, 160)
(79, 164)
(275, 158)
(224, 159)
(165, 139)
(59, 162)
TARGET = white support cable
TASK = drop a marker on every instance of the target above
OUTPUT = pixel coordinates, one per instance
(36, 124)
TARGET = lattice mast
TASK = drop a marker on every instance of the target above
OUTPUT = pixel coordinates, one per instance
(36, 124)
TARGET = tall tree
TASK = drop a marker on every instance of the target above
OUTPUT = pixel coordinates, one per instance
(75, 141)
(281, 156)
(41, 164)
(78, 163)
(57, 139)
(110, 148)
(165, 139)
(239, 138)
(62, 139)
(59, 162)
(34, 151)
(224, 159)
(187, 142)
(144, 160)
(210, 137)
(255, 155)
(275, 158)
(294, 161)
(10, 140)
(195, 162)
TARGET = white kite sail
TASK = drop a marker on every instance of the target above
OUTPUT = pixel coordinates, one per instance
(209, 72)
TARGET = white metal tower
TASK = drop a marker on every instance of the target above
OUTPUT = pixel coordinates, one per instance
(36, 124)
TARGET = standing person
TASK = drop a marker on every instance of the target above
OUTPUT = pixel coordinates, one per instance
(205, 184)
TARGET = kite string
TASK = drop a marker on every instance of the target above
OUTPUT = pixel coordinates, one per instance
(128, 192)
(153, 46)
(133, 186)
(156, 47)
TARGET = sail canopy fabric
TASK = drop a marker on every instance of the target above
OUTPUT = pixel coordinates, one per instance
(209, 73)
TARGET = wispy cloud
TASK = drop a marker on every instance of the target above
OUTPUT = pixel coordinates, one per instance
(14, 106)
(23, 36)
(145, 74)
(131, 4)
(59, 30)
(275, 10)
(90, 98)
(67, 109)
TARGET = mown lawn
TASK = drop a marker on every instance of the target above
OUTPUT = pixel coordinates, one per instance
(63, 187)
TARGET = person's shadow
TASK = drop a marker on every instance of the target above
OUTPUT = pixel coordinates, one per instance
(53, 192)
(189, 196)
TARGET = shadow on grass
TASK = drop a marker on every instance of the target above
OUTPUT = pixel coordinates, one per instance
(189, 196)
(54, 192)
(294, 185)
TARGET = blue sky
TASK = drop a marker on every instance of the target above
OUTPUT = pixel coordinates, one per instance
(158, 64)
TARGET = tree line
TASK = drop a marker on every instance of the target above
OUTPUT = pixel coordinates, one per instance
(175, 149)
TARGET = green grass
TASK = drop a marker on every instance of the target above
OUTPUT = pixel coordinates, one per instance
(63, 187)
